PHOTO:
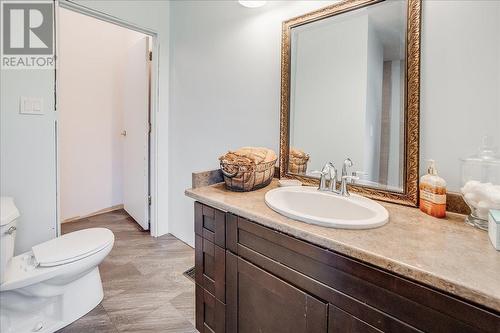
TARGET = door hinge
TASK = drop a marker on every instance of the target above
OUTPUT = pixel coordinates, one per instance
(149, 130)
(150, 56)
(149, 200)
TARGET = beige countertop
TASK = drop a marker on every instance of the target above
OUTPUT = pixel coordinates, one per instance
(446, 253)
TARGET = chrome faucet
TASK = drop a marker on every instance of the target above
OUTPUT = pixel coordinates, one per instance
(330, 171)
(344, 178)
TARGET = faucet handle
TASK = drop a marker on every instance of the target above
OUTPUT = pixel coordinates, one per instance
(322, 178)
(333, 177)
(347, 177)
(343, 184)
(317, 172)
(347, 164)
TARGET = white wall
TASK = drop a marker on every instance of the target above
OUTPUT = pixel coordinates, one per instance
(27, 150)
(91, 70)
(27, 145)
(394, 173)
(225, 88)
(373, 106)
(460, 81)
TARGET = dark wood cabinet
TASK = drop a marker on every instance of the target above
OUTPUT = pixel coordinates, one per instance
(261, 302)
(267, 281)
(210, 223)
(210, 312)
(343, 322)
(210, 261)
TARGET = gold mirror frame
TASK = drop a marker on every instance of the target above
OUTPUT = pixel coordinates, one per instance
(409, 195)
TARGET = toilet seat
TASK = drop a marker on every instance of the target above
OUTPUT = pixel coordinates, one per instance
(72, 247)
(22, 272)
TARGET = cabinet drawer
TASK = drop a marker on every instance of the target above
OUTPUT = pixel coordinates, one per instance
(210, 312)
(210, 223)
(210, 263)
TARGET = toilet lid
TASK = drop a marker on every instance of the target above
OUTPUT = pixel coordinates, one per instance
(73, 246)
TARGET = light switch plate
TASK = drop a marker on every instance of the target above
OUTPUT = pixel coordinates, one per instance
(31, 105)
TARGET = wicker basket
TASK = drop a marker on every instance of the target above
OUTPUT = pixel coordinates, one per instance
(298, 165)
(244, 178)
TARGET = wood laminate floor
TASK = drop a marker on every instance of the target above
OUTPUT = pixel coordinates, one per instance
(144, 289)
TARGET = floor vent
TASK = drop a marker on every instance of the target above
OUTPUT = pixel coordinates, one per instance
(190, 273)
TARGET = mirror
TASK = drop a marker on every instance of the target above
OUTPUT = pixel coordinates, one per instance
(350, 79)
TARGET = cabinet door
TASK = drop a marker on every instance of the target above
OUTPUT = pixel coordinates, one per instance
(210, 263)
(340, 321)
(210, 312)
(261, 302)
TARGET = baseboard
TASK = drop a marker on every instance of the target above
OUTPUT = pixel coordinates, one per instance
(101, 211)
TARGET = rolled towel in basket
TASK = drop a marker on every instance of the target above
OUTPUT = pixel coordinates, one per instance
(297, 161)
(294, 152)
(248, 168)
(255, 154)
(233, 158)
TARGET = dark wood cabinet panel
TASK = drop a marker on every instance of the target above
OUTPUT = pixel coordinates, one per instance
(210, 223)
(232, 232)
(416, 305)
(268, 281)
(210, 267)
(342, 322)
(376, 318)
(264, 303)
(210, 312)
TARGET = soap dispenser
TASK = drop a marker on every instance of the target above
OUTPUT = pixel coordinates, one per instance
(433, 192)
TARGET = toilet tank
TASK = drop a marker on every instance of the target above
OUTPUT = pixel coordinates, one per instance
(8, 217)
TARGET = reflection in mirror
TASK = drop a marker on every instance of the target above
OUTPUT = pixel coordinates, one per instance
(347, 88)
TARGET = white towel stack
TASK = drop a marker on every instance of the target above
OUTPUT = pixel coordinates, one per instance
(482, 196)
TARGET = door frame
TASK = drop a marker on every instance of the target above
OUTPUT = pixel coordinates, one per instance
(154, 105)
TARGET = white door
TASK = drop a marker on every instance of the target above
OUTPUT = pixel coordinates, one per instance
(136, 133)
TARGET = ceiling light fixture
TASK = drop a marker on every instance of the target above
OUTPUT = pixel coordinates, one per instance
(252, 3)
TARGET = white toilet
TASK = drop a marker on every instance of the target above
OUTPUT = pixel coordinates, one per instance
(55, 283)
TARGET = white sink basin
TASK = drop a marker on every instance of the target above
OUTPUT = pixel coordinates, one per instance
(307, 204)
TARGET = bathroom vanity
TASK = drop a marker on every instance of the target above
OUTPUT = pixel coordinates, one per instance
(258, 271)
(350, 85)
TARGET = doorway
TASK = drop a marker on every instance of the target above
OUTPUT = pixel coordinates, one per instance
(105, 101)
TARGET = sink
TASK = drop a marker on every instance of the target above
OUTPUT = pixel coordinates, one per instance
(307, 204)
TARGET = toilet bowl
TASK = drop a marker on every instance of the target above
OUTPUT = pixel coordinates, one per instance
(55, 283)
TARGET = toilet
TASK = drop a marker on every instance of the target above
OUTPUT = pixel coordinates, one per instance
(55, 283)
